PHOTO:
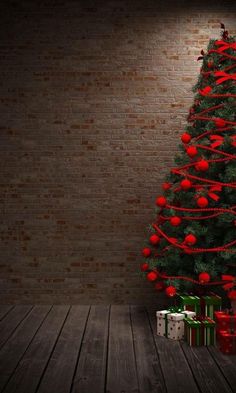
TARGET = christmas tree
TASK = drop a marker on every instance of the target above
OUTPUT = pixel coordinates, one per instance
(192, 242)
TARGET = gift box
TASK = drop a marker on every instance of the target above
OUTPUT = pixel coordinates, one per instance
(210, 304)
(190, 303)
(227, 342)
(200, 331)
(170, 323)
(225, 321)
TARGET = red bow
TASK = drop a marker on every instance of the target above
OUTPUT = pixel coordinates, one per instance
(220, 139)
(229, 278)
(225, 45)
(210, 192)
(224, 76)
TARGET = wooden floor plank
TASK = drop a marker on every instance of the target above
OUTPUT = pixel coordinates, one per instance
(4, 309)
(30, 369)
(121, 369)
(11, 321)
(148, 365)
(91, 370)
(17, 344)
(177, 373)
(60, 370)
(206, 372)
(227, 365)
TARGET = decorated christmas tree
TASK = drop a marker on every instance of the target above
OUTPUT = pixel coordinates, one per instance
(191, 244)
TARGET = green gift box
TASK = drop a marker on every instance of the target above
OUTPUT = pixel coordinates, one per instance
(190, 303)
(200, 331)
(210, 304)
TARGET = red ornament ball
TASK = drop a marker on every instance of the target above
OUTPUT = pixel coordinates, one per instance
(160, 286)
(170, 291)
(220, 122)
(185, 184)
(175, 221)
(202, 166)
(232, 294)
(191, 151)
(161, 201)
(190, 239)
(146, 252)
(152, 276)
(154, 239)
(185, 137)
(166, 186)
(204, 277)
(202, 202)
(144, 267)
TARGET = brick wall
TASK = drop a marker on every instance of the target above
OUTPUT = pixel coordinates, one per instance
(94, 96)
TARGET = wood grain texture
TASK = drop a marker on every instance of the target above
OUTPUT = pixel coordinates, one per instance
(205, 370)
(226, 364)
(4, 309)
(148, 364)
(15, 347)
(12, 320)
(121, 368)
(60, 370)
(91, 370)
(27, 375)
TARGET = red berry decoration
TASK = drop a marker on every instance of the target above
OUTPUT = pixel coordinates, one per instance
(186, 138)
(171, 291)
(202, 202)
(202, 166)
(190, 239)
(220, 122)
(144, 267)
(160, 286)
(146, 252)
(185, 184)
(154, 239)
(232, 294)
(175, 221)
(204, 277)
(166, 186)
(161, 201)
(191, 151)
(152, 276)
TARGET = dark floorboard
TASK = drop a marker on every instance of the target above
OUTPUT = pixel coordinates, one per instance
(102, 349)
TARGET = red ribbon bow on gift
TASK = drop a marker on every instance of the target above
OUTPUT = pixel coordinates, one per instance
(223, 76)
(220, 139)
(225, 45)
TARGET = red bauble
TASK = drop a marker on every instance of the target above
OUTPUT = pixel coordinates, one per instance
(185, 184)
(202, 202)
(186, 138)
(144, 267)
(154, 239)
(210, 63)
(146, 252)
(202, 166)
(191, 151)
(160, 285)
(171, 291)
(161, 201)
(152, 276)
(220, 122)
(232, 294)
(204, 277)
(190, 239)
(175, 221)
(166, 186)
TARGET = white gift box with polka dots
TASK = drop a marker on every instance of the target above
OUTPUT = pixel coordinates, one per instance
(171, 325)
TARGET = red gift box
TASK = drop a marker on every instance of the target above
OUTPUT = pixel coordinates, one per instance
(227, 342)
(225, 321)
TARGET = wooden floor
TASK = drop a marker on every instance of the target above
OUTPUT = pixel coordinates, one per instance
(94, 349)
